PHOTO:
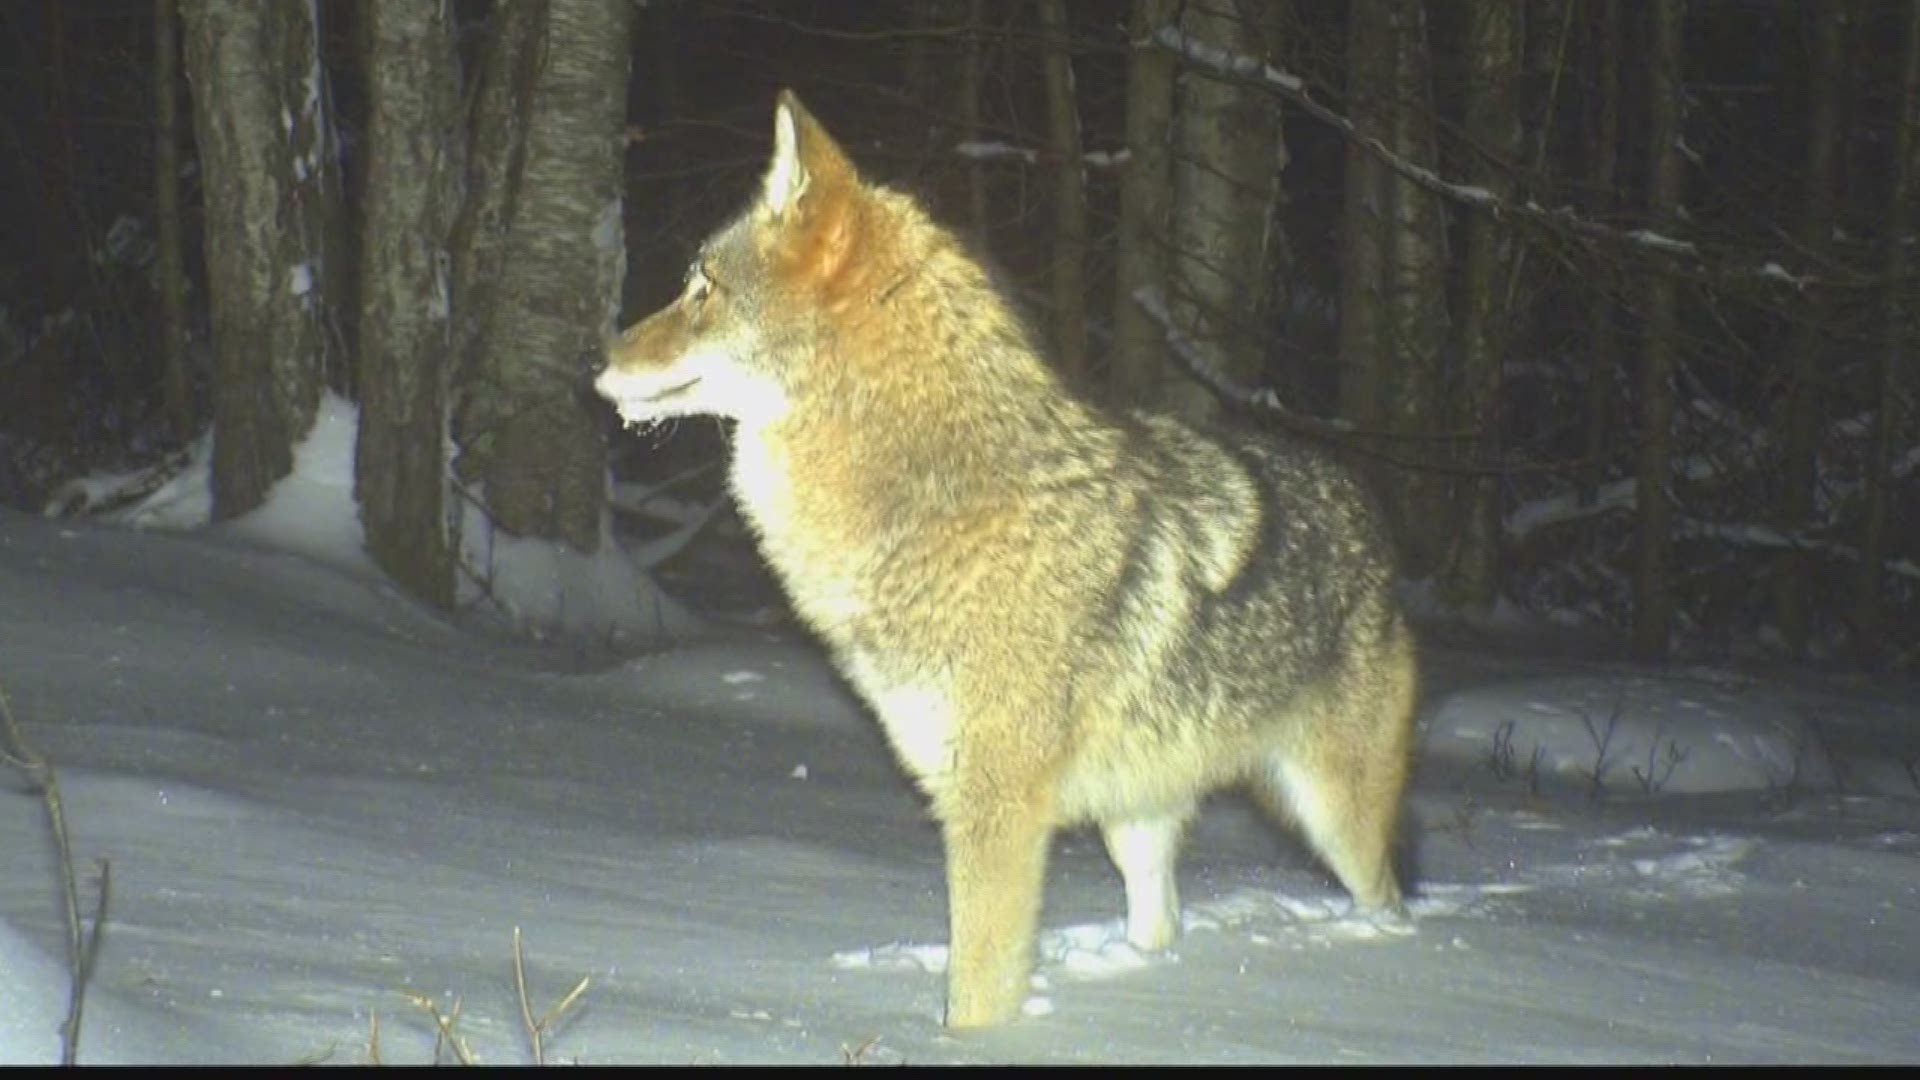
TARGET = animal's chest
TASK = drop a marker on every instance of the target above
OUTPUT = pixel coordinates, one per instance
(800, 533)
(828, 565)
(919, 718)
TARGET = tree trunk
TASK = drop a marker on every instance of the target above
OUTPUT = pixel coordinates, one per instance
(414, 167)
(1800, 424)
(662, 29)
(1653, 597)
(1146, 194)
(260, 123)
(176, 382)
(972, 65)
(1226, 180)
(1897, 308)
(1069, 195)
(1417, 325)
(928, 64)
(1603, 143)
(540, 257)
(1363, 221)
(1547, 46)
(1494, 39)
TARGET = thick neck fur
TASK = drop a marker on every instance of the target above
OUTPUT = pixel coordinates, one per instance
(936, 378)
(919, 404)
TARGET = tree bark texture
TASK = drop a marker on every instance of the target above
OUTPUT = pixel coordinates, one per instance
(1363, 220)
(1146, 197)
(259, 115)
(1653, 587)
(1417, 326)
(1806, 356)
(1496, 30)
(1603, 339)
(540, 259)
(414, 170)
(1070, 195)
(1069, 270)
(1898, 303)
(1226, 181)
(176, 382)
(972, 71)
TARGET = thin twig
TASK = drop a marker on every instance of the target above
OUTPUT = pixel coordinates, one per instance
(1338, 432)
(81, 949)
(526, 1010)
(444, 1034)
(537, 1030)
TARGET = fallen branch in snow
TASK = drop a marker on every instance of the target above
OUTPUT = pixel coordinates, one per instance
(861, 1055)
(82, 946)
(445, 1037)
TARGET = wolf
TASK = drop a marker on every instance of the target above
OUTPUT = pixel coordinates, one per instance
(1060, 613)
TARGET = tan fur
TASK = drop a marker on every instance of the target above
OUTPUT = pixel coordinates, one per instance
(1059, 614)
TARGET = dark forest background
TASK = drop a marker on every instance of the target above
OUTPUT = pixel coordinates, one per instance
(1611, 300)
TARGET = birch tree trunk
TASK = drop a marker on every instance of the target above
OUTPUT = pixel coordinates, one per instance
(1892, 381)
(260, 122)
(1146, 195)
(1069, 269)
(414, 168)
(1653, 597)
(1226, 179)
(1805, 359)
(1494, 39)
(540, 259)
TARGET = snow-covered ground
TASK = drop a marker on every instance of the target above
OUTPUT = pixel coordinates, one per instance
(318, 798)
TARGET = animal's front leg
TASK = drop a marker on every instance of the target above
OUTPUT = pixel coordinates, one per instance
(996, 843)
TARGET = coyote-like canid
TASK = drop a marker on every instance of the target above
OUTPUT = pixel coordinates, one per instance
(1060, 613)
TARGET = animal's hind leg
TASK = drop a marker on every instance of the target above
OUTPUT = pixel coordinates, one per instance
(1348, 819)
(1143, 848)
(1342, 783)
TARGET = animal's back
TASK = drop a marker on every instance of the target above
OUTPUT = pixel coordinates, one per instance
(1251, 607)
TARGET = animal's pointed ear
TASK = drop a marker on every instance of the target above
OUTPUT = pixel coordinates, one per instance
(805, 157)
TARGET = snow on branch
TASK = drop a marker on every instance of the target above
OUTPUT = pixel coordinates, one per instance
(1620, 495)
(988, 150)
(1188, 350)
(1294, 89)
(1338, 431)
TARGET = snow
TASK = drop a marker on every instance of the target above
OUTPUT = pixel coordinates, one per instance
(317, 798)
(536, 586)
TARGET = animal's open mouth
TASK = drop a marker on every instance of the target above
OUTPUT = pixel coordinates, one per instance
(666, 393)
